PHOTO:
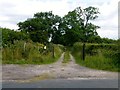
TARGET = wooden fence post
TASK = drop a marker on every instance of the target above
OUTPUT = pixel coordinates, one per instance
(83, 54)
(53, 51)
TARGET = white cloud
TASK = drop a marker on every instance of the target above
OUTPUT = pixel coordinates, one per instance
(14, 11)
(108, 19)
(108, 33)
(4, 18)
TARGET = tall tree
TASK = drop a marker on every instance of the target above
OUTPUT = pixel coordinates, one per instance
(87, 15)
(41, 27)
(71, 26)
(89, 29)
(77, 25)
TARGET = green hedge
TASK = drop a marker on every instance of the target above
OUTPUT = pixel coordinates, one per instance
(92, 48)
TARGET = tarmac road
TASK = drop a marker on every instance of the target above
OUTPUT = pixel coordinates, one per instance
(65, 83)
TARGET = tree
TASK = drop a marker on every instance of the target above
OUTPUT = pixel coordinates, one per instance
(87, 15)
(73, 27)
(9, 36)
(88, 29)
(41, 27)
(77, 26)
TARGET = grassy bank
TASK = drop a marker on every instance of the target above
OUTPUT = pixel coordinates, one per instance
(102, 57)
(22, 52)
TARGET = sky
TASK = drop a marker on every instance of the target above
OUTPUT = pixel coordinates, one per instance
(15, 11)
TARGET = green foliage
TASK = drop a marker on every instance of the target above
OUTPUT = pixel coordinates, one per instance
(22, 52)
(98, 56)
(66, 31)
(71, 28)
(86, 15)
(66, 57)
(77, 28)
(26, 45)
(107, 40)
(9, 36)
(100, 62)
(41, 27)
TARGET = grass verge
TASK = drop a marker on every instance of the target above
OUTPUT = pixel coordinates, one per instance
(66, 57)
(98, 58)
(97, 62)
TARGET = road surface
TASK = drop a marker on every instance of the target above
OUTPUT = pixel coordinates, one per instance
(57, 75)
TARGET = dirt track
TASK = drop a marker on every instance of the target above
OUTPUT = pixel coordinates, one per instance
(27, 73)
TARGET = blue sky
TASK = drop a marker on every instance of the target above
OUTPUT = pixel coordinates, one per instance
(14, 11)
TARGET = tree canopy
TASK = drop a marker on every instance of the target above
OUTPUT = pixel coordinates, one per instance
(9, 36)
(44, 27)
(41, 27)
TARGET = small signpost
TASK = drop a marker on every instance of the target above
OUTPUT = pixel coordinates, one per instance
(24, 46)
(45, 47)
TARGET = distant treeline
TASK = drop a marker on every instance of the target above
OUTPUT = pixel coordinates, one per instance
(10, 36)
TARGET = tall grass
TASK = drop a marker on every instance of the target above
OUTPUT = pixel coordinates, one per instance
(22, 52)
(97, 57)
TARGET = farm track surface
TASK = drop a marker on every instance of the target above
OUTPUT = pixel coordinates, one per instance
(57, 70)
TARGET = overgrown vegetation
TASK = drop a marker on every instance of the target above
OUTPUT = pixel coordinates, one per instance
(66, 57)
(22, 52)
(27, 44)
(98, 56)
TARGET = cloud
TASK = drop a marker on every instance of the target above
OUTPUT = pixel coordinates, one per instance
(14, 11)
(108, 19)
(108, 33)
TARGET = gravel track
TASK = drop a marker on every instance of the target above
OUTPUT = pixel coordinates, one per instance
(57, 70)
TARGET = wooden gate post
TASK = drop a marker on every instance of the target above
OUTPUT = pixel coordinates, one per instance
(53, 51)
(83, 52)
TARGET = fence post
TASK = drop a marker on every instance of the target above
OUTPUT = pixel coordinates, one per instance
(24, 46)
(53, 51)
(83, 51)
